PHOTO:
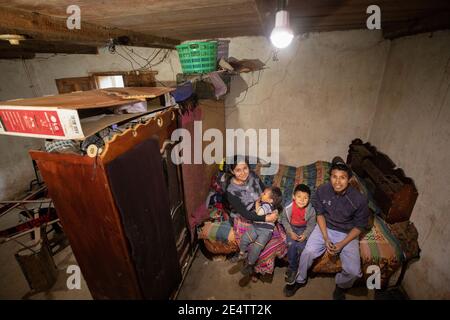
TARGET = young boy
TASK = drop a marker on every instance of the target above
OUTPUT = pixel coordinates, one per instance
(299, 220)
(260, 233)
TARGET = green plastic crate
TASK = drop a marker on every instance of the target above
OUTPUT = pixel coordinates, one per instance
(198, 56)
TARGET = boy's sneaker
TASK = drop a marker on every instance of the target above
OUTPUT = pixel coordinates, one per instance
(247, 270)
(236, 267)
(290, 289)
(291, 276)
(339, 293)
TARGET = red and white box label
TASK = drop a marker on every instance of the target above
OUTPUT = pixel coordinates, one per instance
(35, 122)
(50, 123)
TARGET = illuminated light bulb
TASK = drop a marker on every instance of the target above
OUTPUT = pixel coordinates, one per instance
(282, 35)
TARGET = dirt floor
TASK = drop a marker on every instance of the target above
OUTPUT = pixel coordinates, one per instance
(206, 279)
(211, 279)
(13, 284)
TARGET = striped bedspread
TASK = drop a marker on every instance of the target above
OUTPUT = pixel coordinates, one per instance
(379, 247)
(288, 177)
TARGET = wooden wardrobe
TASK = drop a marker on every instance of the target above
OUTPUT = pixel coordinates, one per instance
(115, 211)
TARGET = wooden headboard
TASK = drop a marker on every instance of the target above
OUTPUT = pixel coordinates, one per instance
(394, 192)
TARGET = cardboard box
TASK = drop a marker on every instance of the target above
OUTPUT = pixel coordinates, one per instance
(76, 115)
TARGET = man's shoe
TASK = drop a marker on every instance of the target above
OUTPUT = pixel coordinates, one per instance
(245, 280)
(290, 289)
(339, 293)
(291, 276)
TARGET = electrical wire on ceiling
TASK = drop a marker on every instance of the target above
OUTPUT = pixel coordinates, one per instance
(143, 64)
(149, 59)
(250, 86)
(273, 54)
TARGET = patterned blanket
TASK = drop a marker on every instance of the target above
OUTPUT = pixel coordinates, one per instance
(217, 231)
(287, 178)
(230, 237)
(379, 247)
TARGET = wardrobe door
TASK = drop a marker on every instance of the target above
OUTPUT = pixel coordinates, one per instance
(137, 183)
(172, 174)
(85, 206)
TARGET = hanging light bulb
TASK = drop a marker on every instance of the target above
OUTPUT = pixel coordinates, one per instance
(282, 34)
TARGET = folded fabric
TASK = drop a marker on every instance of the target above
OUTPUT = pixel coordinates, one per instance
(406, 233)
(380, 247)
(218, 231)
(220, 88)
(183, 91)
(218, 214)
(62, 146)
(137, 107)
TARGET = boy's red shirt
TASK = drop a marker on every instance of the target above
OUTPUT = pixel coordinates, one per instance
(298, 215)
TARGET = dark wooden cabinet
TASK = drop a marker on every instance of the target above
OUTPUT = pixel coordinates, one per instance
(395, 193)
(115, 211)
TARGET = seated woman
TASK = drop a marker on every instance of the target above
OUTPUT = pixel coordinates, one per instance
(244, 187)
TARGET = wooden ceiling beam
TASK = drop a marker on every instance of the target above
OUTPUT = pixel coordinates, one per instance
(36, 46)
(429, 23)
(16, 54)
(266, 10)
(43, 27)
(397, 18)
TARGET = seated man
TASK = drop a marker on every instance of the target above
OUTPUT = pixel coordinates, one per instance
(342, 214)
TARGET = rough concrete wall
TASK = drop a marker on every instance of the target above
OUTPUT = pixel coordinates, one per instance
(321, 93)
(36, 77)
(412, 126)
(16, 170)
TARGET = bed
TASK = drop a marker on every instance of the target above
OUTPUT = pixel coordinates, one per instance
(390, 241)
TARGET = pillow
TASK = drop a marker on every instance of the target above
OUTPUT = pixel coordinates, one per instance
(217, 231)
